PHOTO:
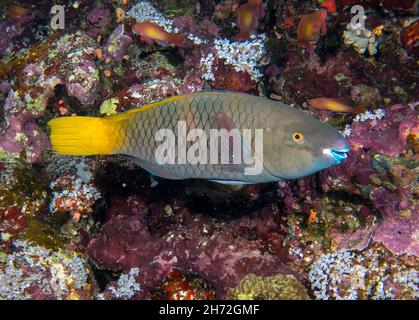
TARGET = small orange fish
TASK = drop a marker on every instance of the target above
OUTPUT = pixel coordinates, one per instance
(310, 27)
(151, 32)
(334, 105)
(17, 12)
(312, 217)
(248, 16)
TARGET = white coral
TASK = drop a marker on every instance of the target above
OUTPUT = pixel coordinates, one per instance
(360, 39)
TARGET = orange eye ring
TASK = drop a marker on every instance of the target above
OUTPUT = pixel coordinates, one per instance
(298, 137)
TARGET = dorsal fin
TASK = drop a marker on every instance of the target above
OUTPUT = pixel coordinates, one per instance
(155, 104)
(127, 114)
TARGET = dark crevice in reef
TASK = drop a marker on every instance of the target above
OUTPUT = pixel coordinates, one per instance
(103, 277)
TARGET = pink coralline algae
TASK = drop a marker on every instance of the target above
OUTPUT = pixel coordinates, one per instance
(399, 230)
(67, 64)
(99, 16)
(186, 25)
(22, 134)
(14, 28)
(73, 59)
(100, 21)
(214, 250)
(118, 43)
(73, 195)
(375, 135)
(381, 172)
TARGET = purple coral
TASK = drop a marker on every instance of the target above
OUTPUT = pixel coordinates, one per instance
(21, 134)
(214, 250)
(83, 83)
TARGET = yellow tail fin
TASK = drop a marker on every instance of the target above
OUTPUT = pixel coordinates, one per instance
(83, 136)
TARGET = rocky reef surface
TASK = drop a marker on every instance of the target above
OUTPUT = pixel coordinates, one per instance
(101, 228)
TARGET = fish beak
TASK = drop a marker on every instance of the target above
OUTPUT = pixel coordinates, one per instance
(337, 155)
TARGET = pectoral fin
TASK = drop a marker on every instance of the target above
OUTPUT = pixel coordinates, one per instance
(227, 160)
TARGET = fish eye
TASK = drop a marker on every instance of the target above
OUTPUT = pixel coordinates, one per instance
(298, 137)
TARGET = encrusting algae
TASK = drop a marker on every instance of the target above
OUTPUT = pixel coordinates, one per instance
(279, 287)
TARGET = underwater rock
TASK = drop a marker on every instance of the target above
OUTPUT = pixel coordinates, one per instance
(118, 43)
(371, 274)
(10, 30)
(12, 221)
(63, 62)
(33, 272)
(384, 173)
(410, 38)
(99, 15)
(196, 32)
(22, 188)
(405, 6)
(101, 19)
(73, 195)
(226, 78)
(83, 82)
(214, 250)
(247, 57)
(400, 226)
(125, 288)
(225, 63)
(179, 285)
(71, 60)
(279, 287)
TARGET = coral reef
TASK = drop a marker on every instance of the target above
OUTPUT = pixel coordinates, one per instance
(367, 275)
(179, 285)
(101, 228)
(206, 248)
(125, 288)
(361, 39)
(33, 272)
(71, 194)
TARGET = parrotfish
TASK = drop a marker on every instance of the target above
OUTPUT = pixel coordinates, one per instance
(329, 5)
(248, 16)
(310, 27)
(167, 138)
(334, 105)
(151, 32)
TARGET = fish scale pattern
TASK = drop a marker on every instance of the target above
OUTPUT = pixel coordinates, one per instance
(244, 111)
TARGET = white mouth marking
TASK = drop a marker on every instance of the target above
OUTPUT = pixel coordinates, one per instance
(327, 152)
